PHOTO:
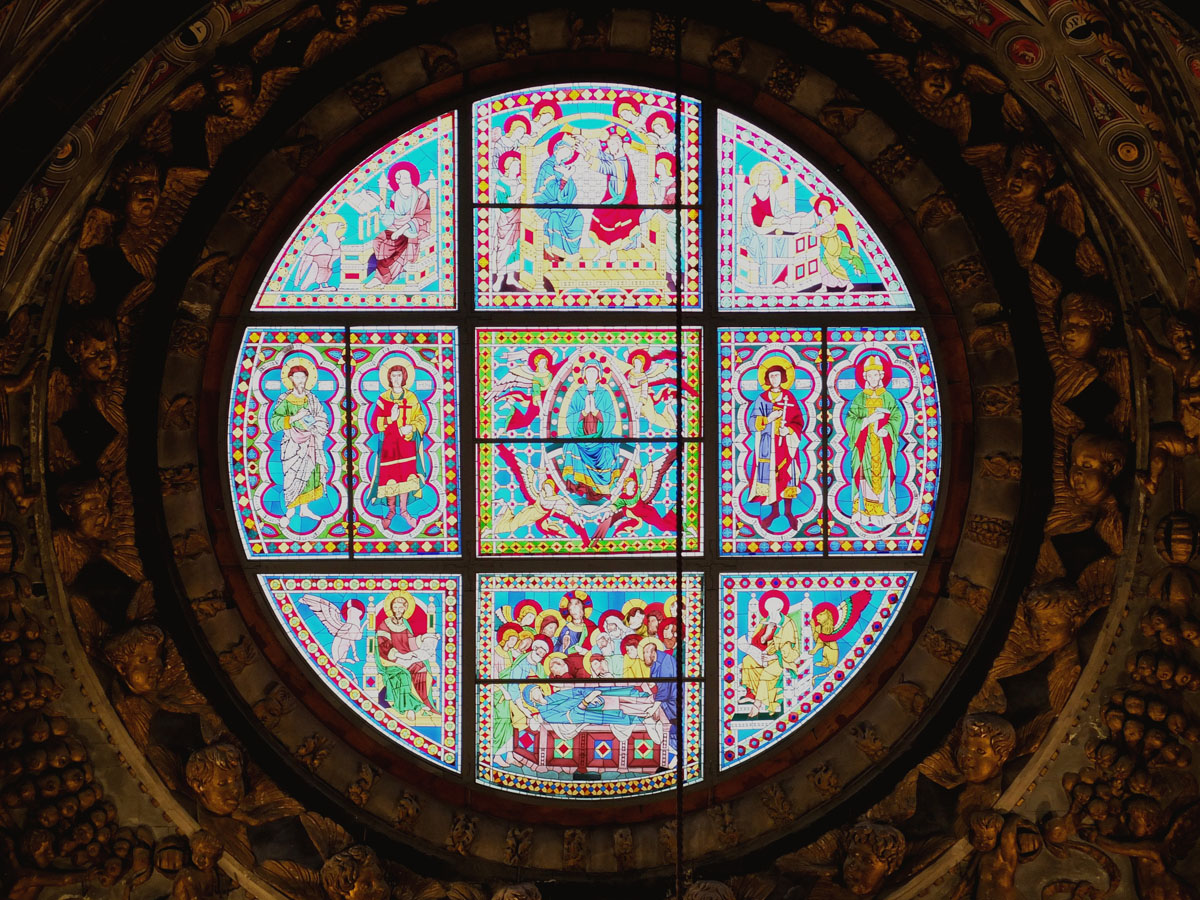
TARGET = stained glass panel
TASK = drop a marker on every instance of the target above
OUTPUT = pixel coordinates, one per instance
(788, 238)
(405, 453)
(582, 497)
(558, 724)
(531, 381)
(287, 440)
(789, 643)
(387, 646)
(771, 497)
(584, 155)
(383, 237)
(885, 442)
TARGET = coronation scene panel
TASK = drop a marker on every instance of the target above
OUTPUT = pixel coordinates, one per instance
(588, 442)
(578, 190)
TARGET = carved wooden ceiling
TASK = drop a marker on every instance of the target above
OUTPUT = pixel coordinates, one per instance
(1031, 732)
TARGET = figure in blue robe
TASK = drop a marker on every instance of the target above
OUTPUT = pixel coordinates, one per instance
(555, 184)
(590, 469)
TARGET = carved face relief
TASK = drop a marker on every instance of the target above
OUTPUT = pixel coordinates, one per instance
(222, 791)
(936, 80)
(862, 871)
(824, 17)
(1089, 475)
(1024, 182)
(143, 669)
(233, 94)
(1183, 339)
(90, 511)
(346, 16)
(97, 358)
(141, 198)
(371, 884)
(1079, 336)
(976, 758)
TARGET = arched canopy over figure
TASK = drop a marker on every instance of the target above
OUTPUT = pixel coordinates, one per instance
(590, 467)
(400, 423)
(303, 423)
(873, 424)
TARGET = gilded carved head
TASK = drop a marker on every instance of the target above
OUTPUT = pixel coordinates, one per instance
(136, 654)
(935, 74)
(1095, 462)
(138, 182)
(1181, 332)
(1052, 612)
(1032, 166)
(354, 874)
(1082, 323)
(206, 850)
(986, 825)
(985, 743)
(86, 503)
(214, 773)
(873, 852)
(92, 346)
(233, 85)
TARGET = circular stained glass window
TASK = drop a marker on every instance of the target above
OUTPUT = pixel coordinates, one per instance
(585, 440)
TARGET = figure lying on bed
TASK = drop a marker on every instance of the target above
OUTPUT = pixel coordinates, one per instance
(621, 708)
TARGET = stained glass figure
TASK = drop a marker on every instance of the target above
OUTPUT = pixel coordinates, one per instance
(287, 443)
(586, 701)
(528, 380)
(885, 449)
(405, 453)
(383, 237)
(789, 643)
(771, 496)
(788, 238)
(386, 646)
(601, 165)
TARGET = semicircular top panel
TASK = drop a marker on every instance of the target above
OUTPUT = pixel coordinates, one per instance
(788, 238)
(382, 238)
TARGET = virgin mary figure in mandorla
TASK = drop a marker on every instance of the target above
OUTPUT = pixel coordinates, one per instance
(590, 468)
(301, 420)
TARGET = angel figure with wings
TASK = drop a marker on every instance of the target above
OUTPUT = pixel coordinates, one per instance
(1018, 185)
(832, 623)
(345, 625)
(633, 503)
(348, 870)
(929, 83)
(854, 861)
(643, 373)
(527, 380)
(543, 501)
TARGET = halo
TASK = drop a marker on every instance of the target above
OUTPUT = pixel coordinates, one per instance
(762, 602)
(771, 361)
(539, 353)
(648, 639)
(508, 628)
(776, 173)
(632, 604)
(516, 119)
(660, 114)
(393, 362)
(353, 603)
(669, 157)
(582, 596)
(861, 362)
(540, 622)
(410, 602)
(553, 143)
(521, 605)
(303, 361)
(550, 657)
(402, 167)
(670, 606)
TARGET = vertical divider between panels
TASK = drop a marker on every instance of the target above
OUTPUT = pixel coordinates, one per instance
(348, 442)
(826, 442)
(681, 447)
(466, 283)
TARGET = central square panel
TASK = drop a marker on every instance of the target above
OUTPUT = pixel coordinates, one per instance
(588, 440)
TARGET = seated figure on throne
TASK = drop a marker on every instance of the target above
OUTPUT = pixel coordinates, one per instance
(773, 648)
(405, 225)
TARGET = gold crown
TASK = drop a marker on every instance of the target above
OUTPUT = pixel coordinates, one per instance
(873, 363)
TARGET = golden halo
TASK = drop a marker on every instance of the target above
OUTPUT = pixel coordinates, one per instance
(303, 362)
(395, 362)
(632, 604)
(770, 362)
(776, 174)
(655, 642)
(669, 606)
(410, 602)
